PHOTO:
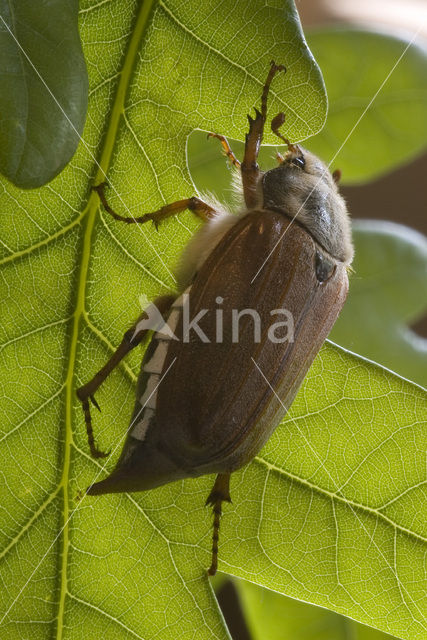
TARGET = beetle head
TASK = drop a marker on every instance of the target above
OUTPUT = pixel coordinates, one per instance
(302, 187)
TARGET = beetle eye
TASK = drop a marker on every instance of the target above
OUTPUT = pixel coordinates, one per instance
(298, 161)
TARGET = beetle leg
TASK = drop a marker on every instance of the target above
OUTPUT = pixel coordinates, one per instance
(249, 167)
(274, 68)
(197, 206)
(227, 149)
(219, 493)
(131, 339)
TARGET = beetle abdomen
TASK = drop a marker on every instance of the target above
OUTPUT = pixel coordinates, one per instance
(133, 471)
(227, 390)
(151, 372)
(216, 410)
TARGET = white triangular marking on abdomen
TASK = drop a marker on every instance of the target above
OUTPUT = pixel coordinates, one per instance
(154, 367)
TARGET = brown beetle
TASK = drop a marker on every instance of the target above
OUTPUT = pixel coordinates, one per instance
(202, 405)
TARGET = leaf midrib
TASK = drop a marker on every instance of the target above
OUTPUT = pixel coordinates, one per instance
(141, 22)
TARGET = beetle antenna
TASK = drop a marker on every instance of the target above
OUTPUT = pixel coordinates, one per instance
(219, 493)
(276, 123)
(336, 175)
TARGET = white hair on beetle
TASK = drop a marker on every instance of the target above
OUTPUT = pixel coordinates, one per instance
(237, 187)
(205, 240)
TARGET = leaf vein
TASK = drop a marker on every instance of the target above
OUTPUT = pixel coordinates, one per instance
(346, 501)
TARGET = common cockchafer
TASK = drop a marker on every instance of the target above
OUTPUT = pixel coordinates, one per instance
(202, 406)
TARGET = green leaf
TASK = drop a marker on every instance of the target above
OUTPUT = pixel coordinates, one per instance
(388, 292)
(134, 565)
(355, 64)
(273, 616)
(333, 508)
(130, 565)
(44, 85)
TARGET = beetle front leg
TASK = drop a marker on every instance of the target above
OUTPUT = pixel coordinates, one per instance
(220, 493)
(249, 167)
(194, 204)
(227, 149)
(131, 339)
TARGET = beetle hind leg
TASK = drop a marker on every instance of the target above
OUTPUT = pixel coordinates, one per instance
(131, 339)
(94, 451)
(86, 393)
(220, 493)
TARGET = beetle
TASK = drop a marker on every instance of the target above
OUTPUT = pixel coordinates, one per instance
(201, 405)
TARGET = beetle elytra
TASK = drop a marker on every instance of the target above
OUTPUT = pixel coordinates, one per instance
(201, 405)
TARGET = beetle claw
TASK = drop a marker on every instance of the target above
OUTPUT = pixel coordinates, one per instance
(99, 187)
(80, 495)
(97, 453)
(217, 496)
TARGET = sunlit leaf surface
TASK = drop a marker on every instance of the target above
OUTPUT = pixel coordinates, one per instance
(331, 509)
(70, 286)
